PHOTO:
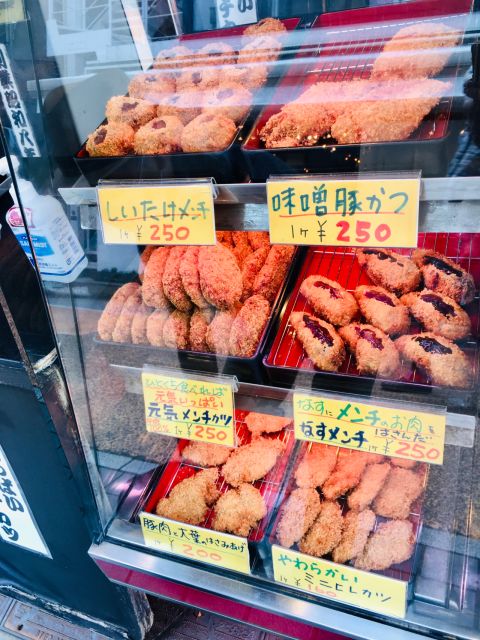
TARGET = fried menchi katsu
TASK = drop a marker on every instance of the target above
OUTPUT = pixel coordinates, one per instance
(252, 461)
(123, 327)
(370, 484)
(113, 308)
(220, 276)
(390, 270)
(271, 275)
(320, 340)
(356, 529)
(258, 423)
(392, 543)
(139, 324)
(239, 510)
(190, 499)
(443, 361)
(190, 277)
(401, 489)
(298, 514)
(329, 300)
(316, 466)
(172, 282)
(152, 289)
(154, 328)
(199, 323)
(176, 330)
(438, 313)
(347, 472)
(442, 275)
(375, 353)
(218, 331)
(205, 454)
(248, 327)
(143, 260)
(382, 309)
(325, 533)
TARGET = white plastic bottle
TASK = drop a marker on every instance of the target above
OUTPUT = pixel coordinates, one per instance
(58, 253)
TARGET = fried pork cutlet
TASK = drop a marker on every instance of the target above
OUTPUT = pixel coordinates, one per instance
(325, 533)
(252, 461)
(382, 309)
(398, 493)
(239, 510)
(205, 454)
(392, 543)
(370, 484)
(347, 472)
(321, 342)
(445, 276)
(316, 465)
(298, 514)
(375, 353)
(329, 300)
(391, 270)
(190, 499)
(438, 313)
(258, 423)
(356, 528)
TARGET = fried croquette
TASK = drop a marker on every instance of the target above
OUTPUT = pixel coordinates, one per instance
(320, 340)
(391, 270)
(258, 423)
(139, 324)
(316, 465)
(443, 361)
(190, 499)
(152, 289)
(218, 331)
(298, 514)
(154, 329)
(172, 281)
(375, 353)
(113, 308)
(329, 300)
(239, 510)
(188, 269)
(400, 490)
(438, 313)
(251, 268)
(392, 543)
(356, 529)
(382, 309)
(176, 330)
(143, 260)
(445, 276)
(325, 533)
(205, 454)
(271, 275)
(370, 484)
(347, 472)
(248, 326)
(258, 239)
(220, 276)
(199, 321)
(252, 461)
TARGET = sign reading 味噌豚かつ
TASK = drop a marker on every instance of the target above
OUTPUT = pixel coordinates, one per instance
(373, 212)
(181, 214)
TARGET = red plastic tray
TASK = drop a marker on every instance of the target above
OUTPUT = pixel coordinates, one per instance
(340, 264)
(178, 469)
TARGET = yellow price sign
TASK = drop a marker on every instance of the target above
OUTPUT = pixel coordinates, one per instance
(396, 432)
(182, 407)
(338, 582)
(195, 543)
(376, 212)
(181, 214)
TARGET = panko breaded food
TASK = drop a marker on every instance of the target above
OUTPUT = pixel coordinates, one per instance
(132, 111)
(329, 300)
(438, 313)
(143, 260)
(159, 136)
(398, 493)
(443, 361)
(320, 340)
(241, 249)
(298, 514)
(186, 105)
(229, 99)
(173, 59)
(154, 328)
(403, 462)
(176, 330)
(190, 499)
(258, 239)
(225, 238)
(316, 465)
(390, 270)
(215, 53)
(442, 275)
(356, 529)
(220, 276)
(258, 423)
(112, 139)
(271, 275)
(262, 48)
(252, 76)
(392, 543)
(347, 472)
(273, 26)
(248, 326)
(382, 309)
(252, 461)
(208, 132)
(151, 86)
(239, 510)
(123, 327)
(375, 353)
(370, 484)
(325, 533)
(172, 281)
(205, 454)
(251, 268)
(199, 321)
(152, 289)
(420, 50)
(113, 308)
(139, 324)
(190, 277)
(218, 331)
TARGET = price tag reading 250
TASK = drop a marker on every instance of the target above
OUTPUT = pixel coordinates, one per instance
(181, 214)
(374, 212)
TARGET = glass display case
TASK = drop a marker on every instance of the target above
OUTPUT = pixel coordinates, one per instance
(256, 226)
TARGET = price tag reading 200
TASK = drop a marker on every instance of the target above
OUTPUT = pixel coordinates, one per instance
(181, 214)
(376, 212)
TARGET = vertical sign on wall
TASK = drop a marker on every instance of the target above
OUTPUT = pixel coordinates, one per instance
(230, 13)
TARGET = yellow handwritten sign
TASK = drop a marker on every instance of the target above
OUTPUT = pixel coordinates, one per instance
(181, 214)
(364, 213)
(188, 408)
(195, 543)
(400, 433)
(338, 582)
